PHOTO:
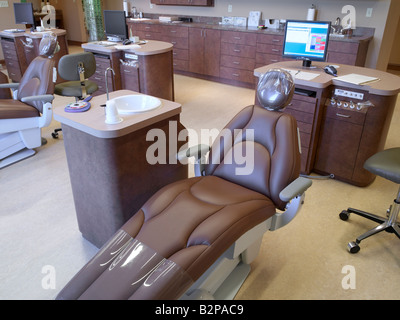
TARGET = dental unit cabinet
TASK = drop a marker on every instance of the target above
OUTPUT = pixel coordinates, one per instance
(110, 175)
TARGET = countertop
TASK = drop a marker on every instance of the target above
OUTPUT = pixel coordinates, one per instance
(150, 48)
(360, 34)
(30, 34)
(387, 85)
(93, 120)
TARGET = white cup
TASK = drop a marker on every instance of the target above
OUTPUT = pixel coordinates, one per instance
(112, 116)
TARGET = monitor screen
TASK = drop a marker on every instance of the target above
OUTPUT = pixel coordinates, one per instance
(306, 40)
(115, 25)
(23, 13)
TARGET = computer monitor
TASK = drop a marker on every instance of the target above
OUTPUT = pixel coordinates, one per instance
(23, 13)
(115, 25)
(306, 40)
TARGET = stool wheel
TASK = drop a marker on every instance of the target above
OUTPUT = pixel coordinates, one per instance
(344, 215)
(353, 247)
(54, 135)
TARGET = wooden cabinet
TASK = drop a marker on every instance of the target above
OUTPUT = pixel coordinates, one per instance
(102, 63)
(204, 51)
(12, 60)
(346, 52)
(204, 3)
(303, 108)
(269, 49)
(238, 51)
(179, 37)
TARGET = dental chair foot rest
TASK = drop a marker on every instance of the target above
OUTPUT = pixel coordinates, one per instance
(21, 155)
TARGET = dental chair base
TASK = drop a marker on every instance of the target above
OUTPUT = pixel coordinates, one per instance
(16, 145)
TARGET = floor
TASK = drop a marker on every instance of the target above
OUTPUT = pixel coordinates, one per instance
(41, 247)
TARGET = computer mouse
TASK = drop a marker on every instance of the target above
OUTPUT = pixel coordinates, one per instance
(126, 42)
(330, 70)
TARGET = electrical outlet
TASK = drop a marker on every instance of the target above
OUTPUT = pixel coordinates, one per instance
(151, 6)
(3, 4)
(229, 8)
(369, 13)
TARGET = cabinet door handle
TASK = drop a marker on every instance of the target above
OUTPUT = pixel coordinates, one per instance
(343, 115)
(236, 62)
(275, 50)
(236, 50)
(276, 40)
(235, 74)
(173, 31)
(237, 38)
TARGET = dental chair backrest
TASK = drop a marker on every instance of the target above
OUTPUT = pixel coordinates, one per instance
(276, 156)
(38, 77)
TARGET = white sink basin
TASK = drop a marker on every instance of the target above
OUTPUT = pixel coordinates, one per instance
(136, 103)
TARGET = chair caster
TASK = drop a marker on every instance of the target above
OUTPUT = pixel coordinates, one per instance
(54, 135)
(353, 247)
(344, 215)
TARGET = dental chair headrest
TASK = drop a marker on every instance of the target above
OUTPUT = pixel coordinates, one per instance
(49, 46)
(275, 89)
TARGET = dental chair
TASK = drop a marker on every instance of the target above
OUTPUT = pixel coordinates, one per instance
(30, 109)
(385, 164)
(76, 68)
(196, 238)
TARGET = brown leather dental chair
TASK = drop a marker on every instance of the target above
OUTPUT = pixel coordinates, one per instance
(195, 238)
(22, 117)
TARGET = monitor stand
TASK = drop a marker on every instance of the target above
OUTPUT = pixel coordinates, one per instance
(306, 63)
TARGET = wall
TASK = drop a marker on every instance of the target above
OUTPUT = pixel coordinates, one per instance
(285, 9)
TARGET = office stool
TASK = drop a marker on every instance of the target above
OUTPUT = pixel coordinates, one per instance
(387, 165)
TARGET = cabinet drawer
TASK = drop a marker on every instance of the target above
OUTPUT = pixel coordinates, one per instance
(238, 50)
(345, 115)
(175, 31)
(343, 58)
(238, 37)
(237, 62)
(14, 73)
(270, 39)
(237, 74)
(343, 46)
(304, 104)
(182, 65)
(148, 35)
(180, 54)
(269, 48)
(181, 43)
(301, 116)
(266, 58)
(148, 27)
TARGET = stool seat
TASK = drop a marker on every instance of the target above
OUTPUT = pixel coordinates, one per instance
(385, 164)
(73, 88)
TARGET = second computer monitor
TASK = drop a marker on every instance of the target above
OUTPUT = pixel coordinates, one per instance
(115, 25)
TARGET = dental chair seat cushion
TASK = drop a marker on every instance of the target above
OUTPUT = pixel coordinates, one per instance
(73, 88)
(194, 221)
(14, 109)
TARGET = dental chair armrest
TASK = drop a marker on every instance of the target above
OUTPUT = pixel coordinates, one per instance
(9, 85)
(294, 189)
(199, 152)
(294, 195)
(44, 98)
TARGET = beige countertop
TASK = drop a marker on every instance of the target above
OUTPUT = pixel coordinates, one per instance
(387, 85)
(149, 48)
(93, 120)
(30, 34)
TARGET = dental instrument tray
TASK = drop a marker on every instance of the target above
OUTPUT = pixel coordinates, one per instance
(79, 106)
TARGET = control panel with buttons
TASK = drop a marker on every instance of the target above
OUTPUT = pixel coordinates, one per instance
(349, 100)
